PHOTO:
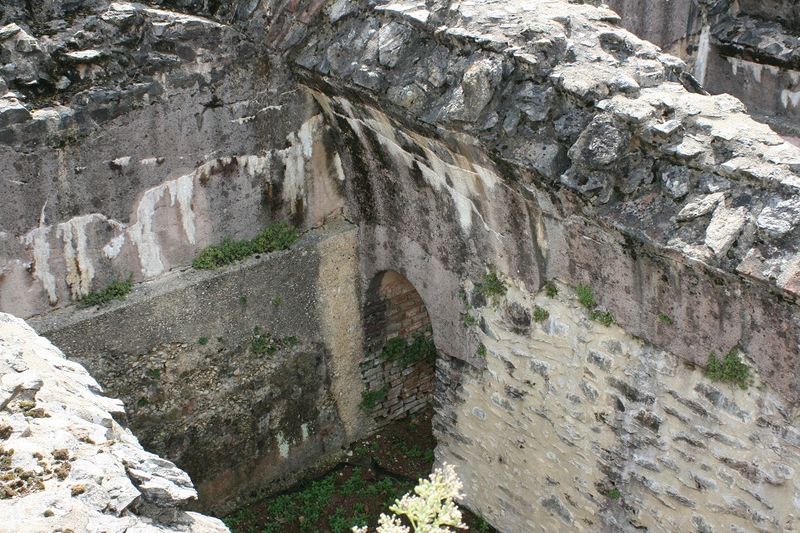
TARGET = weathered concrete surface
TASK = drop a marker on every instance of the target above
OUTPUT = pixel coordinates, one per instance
(199, 390)
(182, 132)
(65, 462)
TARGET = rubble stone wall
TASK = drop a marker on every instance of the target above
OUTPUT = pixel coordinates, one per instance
(573, 425)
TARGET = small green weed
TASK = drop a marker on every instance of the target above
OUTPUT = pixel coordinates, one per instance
(604, 317)
(262, 343)
(540, 314)
(421, 348)
(469, 320)
(492, 287)
(372, 398)
(481, 350)
(202, 341)
(730, 370)
(354, 484)
(117, 290)
(277, 301)
(279, 236)
(666, 319)
(550, 289)
(585, 296)
(482, 526)
(614, 494)
(154, 373)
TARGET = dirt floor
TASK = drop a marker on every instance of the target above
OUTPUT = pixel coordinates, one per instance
(379, 470)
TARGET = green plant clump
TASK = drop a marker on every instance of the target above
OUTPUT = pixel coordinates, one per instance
(372, 398)
(279, 236)
(481, 350)
(469, 320)
(550, 289)
(586, 296)
(118, 290)
(614, 494)
(421, 348)
(540, 314)
(730, 370)
(492, 287)
(666, 319)
(202, 341)
(604, 317)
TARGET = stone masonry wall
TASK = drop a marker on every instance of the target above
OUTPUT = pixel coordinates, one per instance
(395, 309)
(239, 408)
(583, 427)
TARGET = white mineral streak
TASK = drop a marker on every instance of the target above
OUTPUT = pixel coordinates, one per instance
(114, 246)
(143, 231)
(790, 97)
(703, 49)
(37, 239)
(80, 270)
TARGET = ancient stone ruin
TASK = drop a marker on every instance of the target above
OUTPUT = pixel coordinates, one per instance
(582, 249)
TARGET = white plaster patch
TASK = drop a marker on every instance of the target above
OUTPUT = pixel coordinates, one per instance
(283, 445)
(114, 246)
(790, 97)
(257, 165)
(143, 232)
(337, 164)
(38, 240)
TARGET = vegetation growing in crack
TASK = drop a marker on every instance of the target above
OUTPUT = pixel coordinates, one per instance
(730, 370)
(540, 314)
(491, 287)
(278, 236)
(481, 350)
(665, 319)
(550, 289)
(469, 319)
(264, 343)
(604, 317)
(369, 399)
(421, 348)
(118, 290)
(586, 298)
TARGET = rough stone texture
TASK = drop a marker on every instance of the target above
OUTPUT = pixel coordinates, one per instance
(581, 427)
(749, 49)
(202, 392)
(65, 463)
(535, 138)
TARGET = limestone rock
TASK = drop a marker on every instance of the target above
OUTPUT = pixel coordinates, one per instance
(725, 227)
(70, 458)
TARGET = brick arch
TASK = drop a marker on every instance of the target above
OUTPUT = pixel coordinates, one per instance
(397, 329)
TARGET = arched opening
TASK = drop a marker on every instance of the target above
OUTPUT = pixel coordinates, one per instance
(399, 360)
